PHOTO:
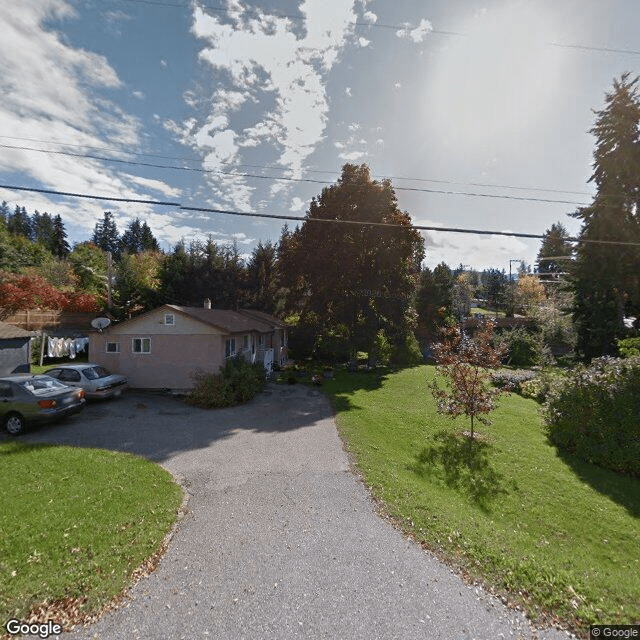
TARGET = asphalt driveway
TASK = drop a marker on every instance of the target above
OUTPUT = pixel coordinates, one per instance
(281, 539)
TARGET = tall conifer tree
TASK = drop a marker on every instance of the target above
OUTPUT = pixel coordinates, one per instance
(606, 276)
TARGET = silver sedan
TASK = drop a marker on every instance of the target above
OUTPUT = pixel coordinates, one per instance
(96, 381)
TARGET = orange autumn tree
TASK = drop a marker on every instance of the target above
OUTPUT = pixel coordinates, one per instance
(22, 292)
(465, 363)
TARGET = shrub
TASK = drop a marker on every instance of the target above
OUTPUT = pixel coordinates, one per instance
(334, 346)
(512, 380)
(407, 353)
(238, 381)
(595, 414)
(526, 348)
(381, 350)
(629, 347)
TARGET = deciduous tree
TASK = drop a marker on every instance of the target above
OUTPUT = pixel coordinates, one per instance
(354, 275)
(465, 362)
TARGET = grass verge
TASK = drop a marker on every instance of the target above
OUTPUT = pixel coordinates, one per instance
(76, 525)
(557, 536)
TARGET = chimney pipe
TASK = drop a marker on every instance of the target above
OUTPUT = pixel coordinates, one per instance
(207, 303)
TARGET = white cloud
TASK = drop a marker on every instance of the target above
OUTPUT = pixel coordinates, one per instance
(352, 156)
(477, 252)
(418, 33)
(363, 42)
(370, 17)
(271, 62)
(138, 94)
(51, 92)
(297, 204)
(348, 92)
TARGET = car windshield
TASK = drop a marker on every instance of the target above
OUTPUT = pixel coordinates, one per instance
(93, 373)
(41, 386)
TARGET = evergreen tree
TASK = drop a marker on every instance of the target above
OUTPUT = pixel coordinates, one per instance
(554, 245)
(59, 244)
(106, 236)
(138, 237)
(434, 298)
(495, 287)
(42, 225)
(262, 277)
(19, 223)
(605, 277)
(147, 239)
(4, 212)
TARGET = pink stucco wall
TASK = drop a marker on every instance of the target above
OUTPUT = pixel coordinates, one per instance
(171, 363)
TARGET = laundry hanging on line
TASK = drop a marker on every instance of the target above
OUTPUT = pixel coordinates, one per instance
(66, 347)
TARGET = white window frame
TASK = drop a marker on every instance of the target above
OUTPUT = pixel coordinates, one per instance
(142, 350)
(169, 319)
(108, 343)
(230, 348)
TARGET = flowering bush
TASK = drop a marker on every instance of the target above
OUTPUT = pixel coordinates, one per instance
(512, 380)
(595, 414)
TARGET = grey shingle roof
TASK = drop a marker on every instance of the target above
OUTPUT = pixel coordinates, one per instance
(229, 321)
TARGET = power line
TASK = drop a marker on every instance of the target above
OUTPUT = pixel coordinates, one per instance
(513, 234)
(287, 178)
(272, 167)
(584, 47)
(395, 27)
(288, 16)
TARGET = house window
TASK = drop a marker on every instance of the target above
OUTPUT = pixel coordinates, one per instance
(169, 318)
(261, 341)
(113, 347)
(245, 343)
(141, 345)
(230, 347)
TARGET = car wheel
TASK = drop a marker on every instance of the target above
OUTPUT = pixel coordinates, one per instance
(14, 423)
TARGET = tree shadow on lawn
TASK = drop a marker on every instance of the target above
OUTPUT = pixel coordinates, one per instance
(346, 384)
(624, 490)
(462, 464)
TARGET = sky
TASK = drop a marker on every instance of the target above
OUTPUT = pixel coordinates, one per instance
(478, 111)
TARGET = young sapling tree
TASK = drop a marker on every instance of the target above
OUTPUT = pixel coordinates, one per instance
(465, 362)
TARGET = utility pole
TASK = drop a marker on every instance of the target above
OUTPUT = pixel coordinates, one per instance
(109, 274)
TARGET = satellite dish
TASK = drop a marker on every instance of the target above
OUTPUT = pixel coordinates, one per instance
(100, 323)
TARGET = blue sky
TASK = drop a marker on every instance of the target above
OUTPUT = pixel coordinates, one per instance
(492, 98)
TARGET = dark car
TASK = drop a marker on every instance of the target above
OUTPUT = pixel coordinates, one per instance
(28, 399)
(96, 381)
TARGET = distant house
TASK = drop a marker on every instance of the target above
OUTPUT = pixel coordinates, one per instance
(165, 347)
(15, 350)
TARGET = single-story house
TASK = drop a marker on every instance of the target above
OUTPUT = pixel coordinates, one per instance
(15, 350)
(163, 348)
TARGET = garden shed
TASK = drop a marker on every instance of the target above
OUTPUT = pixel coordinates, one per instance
(15, 350)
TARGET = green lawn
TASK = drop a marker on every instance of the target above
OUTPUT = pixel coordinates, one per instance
(559, 536)
(486, 312)
(74, 526)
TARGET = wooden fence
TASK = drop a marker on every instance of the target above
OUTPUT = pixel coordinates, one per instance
(37, 320)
